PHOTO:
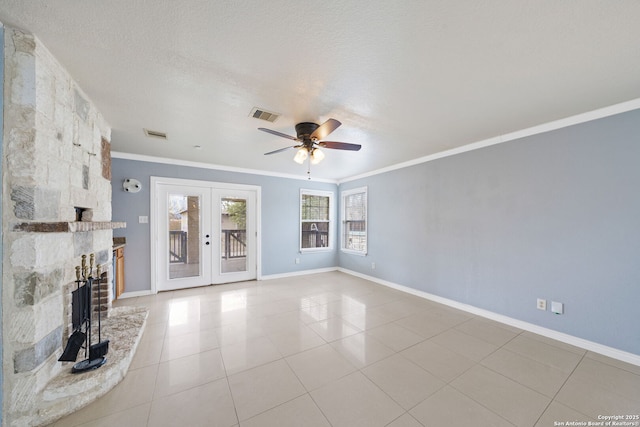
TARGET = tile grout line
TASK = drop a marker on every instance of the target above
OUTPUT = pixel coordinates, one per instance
(479, 364)
(561, 387)
(308, 392)
(406, 411)
(155, 382)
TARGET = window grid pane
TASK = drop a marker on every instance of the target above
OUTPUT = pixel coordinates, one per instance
(315, 235)
(315, 208)
(355, 222)
(356, 206)
(314, 221)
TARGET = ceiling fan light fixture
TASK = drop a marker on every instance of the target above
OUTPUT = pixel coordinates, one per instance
(301, 156)
(316, 156)
(309, 138)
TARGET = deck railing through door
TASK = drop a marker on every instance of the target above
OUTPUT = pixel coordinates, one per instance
(234, 243)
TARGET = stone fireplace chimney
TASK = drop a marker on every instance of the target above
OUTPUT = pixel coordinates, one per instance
(56, 159)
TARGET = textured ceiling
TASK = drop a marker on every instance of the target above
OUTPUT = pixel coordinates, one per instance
(406, 79)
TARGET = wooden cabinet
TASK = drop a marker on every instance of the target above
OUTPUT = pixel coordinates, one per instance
(118, 259)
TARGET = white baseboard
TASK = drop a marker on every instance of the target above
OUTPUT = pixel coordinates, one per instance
(297, 273)
(135, 294)
(614, 353)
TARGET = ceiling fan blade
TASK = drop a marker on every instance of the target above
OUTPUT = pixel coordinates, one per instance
(275, 132)
(282, 149)
(339, 145)
(325, 129)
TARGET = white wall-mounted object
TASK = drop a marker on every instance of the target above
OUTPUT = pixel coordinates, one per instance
(131, 185)
(557, 307)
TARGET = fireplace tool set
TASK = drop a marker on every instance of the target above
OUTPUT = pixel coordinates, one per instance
(81, 321)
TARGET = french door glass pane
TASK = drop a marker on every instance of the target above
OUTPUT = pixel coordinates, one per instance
(184, 235)
(233, 234)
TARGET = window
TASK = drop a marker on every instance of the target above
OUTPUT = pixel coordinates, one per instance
(354, 221)
(315, 220)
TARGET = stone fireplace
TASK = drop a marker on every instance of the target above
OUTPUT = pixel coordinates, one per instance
(56, 160)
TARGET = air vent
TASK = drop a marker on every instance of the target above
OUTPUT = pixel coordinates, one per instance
(155, 134)
(261, 114)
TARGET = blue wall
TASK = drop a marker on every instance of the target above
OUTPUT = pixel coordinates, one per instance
(554, 216)
(280, 218)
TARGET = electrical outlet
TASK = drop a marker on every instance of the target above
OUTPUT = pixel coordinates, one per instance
(373, 265)
(297, 260)
(143, 219)
(542, 304)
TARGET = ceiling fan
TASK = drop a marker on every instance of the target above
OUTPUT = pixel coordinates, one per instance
(310, 137)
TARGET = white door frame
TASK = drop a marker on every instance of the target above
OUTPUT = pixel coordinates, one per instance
(153, 219)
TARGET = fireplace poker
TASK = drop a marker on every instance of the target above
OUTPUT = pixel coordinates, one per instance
(102, 347)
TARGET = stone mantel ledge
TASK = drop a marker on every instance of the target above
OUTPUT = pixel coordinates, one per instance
(67, 227)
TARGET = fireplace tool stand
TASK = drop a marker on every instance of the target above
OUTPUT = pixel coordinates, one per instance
(81, 319)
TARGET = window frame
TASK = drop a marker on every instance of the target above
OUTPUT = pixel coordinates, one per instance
(330, 222)
(343, 220)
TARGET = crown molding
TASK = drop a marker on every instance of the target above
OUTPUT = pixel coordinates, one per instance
(512, 136)
(176, 162)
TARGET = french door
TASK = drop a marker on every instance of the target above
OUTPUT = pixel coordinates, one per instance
(204, 233)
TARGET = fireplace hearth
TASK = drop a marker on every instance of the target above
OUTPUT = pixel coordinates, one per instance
(67, 392)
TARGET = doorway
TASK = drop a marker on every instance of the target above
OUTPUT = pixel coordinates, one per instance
(203, 233)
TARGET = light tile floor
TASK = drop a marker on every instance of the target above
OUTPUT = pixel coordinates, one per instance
(335, 350)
